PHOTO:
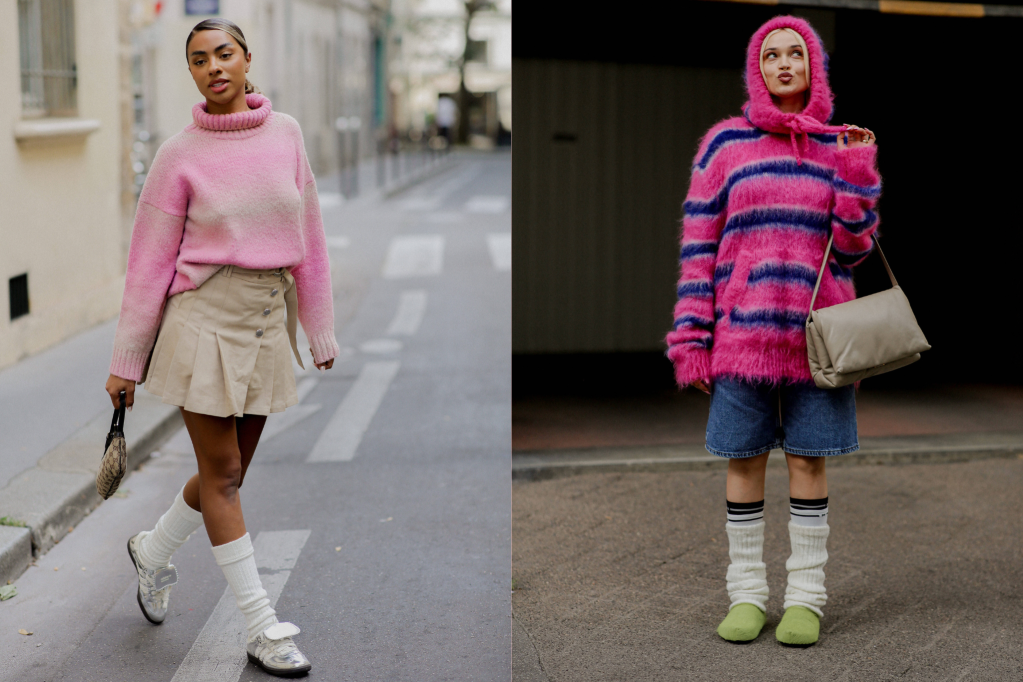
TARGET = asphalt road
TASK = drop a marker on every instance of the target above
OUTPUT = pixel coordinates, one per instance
(383, 499)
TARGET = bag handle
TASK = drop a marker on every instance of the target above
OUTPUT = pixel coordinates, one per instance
(824, 264)
(117, 425)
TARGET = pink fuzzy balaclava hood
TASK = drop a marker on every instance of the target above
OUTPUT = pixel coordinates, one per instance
(761, 109)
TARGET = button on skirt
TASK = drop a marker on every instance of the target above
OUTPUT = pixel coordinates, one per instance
(224, 349)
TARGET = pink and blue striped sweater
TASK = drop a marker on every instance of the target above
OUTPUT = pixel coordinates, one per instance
(767, 190)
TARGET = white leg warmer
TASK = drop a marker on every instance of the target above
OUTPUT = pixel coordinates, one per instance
(747, 574)
(173, 528)
(236, 560)
(806, 567)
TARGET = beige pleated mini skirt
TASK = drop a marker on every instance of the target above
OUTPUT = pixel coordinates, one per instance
(225, 348)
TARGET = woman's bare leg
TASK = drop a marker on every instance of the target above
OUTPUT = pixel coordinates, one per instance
(745, 481)
(223, 449)
(217, 444)
(249, 428)
(808, 479)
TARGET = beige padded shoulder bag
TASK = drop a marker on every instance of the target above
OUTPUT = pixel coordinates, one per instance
(863, 337)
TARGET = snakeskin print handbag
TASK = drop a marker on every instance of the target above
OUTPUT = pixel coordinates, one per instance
(115, 456)
(862, 337)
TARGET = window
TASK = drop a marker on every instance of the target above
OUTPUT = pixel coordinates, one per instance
(18, 288)
(49, 82)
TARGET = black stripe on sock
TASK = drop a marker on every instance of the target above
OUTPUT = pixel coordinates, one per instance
(744, 507)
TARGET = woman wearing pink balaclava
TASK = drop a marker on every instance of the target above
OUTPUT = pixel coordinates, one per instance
(768, 189)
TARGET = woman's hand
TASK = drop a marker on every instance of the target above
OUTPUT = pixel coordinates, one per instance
(323, 366)
(702, 385)
(857, 137)
(115, 385)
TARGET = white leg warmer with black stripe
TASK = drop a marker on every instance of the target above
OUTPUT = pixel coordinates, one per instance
(746, 578)
(806, 566)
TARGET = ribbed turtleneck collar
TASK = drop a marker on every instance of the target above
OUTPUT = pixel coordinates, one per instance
(239, 124)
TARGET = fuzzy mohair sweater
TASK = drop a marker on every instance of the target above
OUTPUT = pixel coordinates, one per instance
(768, 188)
(229, 189)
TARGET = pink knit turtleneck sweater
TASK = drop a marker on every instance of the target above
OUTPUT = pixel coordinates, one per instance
(230, 189)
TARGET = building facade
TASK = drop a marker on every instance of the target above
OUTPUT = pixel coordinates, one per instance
(61, 247)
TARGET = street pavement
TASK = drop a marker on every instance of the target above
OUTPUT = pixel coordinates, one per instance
(621, 576)
(379, 505)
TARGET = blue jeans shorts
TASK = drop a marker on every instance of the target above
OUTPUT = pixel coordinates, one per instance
(815, 422)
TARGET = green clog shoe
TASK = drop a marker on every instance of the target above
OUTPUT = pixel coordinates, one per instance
(742, 624)
(798, 627)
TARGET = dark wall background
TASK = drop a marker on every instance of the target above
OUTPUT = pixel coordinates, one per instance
(940, 93)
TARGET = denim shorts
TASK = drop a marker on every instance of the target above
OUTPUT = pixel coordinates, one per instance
(815, 422)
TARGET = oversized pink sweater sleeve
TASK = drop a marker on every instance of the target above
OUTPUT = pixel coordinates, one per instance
(689, 341)
(312, 275)
(854, 218)
(155, 240)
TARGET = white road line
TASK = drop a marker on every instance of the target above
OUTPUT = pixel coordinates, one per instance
(411, 307)
(414, 256)
(380, 346)
(486, 204)
(341, 438)
(500, 246)
(218, 653)
(279, 422)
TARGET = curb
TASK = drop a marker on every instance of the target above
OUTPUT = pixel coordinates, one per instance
(53, 496)
(549, 464)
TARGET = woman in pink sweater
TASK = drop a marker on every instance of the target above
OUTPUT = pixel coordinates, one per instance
(768, 189)
(227, 250)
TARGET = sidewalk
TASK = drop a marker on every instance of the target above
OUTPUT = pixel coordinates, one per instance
(618, 573)
(55, 413)
(55, 417)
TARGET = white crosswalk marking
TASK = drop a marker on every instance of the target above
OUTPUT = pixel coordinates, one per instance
(411, 307)
(278, 422)
(500, 246)
(218, 654)
(486, 204)
(414, 256)
(341, 438)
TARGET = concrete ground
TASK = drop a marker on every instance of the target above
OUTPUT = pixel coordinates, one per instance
(621, 577)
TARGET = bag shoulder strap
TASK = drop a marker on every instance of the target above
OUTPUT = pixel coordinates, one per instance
(824, 264)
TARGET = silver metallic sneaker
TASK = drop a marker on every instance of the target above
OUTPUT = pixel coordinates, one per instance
(154, 583)
(273, 651)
